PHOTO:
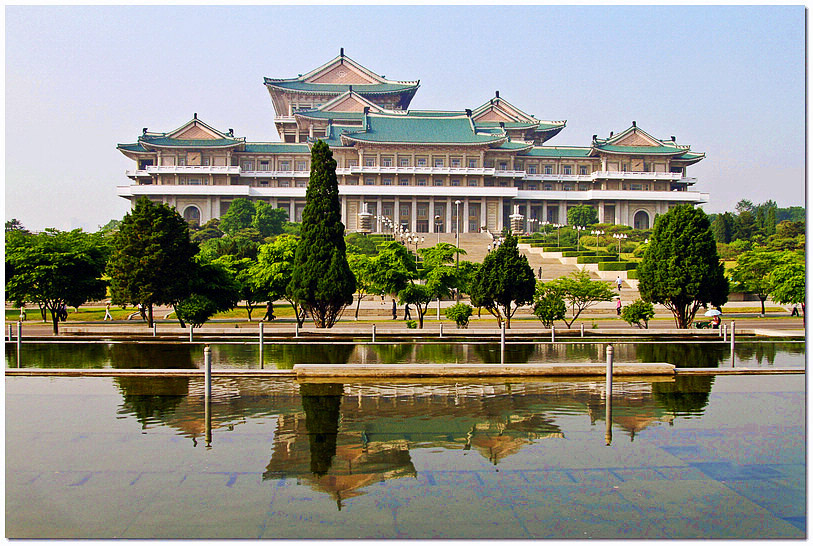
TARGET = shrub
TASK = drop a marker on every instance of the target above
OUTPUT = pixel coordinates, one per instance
(617, 266)
(596, 259)
(638, 313)
(632, 274)
(549, 306)
(459, 313)
(412, 324)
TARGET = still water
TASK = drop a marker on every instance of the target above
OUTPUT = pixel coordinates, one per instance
(130, 457)
(285, 355)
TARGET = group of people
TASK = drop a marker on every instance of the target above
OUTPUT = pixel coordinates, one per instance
(407, 314)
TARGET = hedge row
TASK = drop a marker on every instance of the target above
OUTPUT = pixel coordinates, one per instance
(577, 253)
(617, 266)
(632, 274)
(596, 259)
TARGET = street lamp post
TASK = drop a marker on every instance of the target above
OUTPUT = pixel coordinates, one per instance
(437, 226)
(457, 244)
(597, 233)
(578, 237)
(619, 237)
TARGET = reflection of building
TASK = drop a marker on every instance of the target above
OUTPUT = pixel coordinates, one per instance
(411, 166)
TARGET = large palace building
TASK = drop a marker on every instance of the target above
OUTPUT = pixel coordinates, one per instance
(419, 168)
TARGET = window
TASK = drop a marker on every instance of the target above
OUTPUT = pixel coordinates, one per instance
(584, 186)
(352, 163)
(386, 210)
(369, 162)
(472, 182)
(405, 162)
(583, 169)
(548, 169)
(369, 181)
(285, 165)
(386, 182)
(144, 163)
(263, 165)
(422, 210)
(206, 160)
(567, 169)
(248, 165)
(422, 181)
(648, 167)
(263, 182)
(503, 165)
(181, 161)
(386, 162)
(531, 186)
(352, 182)
(455, 182)
(472, 163)
(531, 169)
(284, 183)
(301, 165)
(301, 183)
(421, 162)
(404, 210)
(437, 182)
(547, 187)
(438, 162)
(625, 167)
(568, 186)
(403, 182)
(455, 162)
(635, 186)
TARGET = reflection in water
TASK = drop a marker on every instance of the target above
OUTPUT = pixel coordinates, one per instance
(686, 395)
(321, 403)
(151, 401)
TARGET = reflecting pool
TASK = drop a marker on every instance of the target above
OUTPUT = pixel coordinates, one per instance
(285, 355)
(138, 457)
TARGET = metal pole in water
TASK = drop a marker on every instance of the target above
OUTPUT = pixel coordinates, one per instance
(608, 402)
(441, 329)
(296, 334)
(438, 308)
(725, 332)
(10, 338)
(553, 333)
(262, 341)
(373, 333)
(190, 332)
(582, 328)
(502, 336)
(19, 341)
(732, 343)
(207, 359)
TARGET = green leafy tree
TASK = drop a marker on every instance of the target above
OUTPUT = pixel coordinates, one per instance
(437, 284)
(55, 268)
(788, 280)
(272, 273)
(582, 215)
(362, 267)
(268, 220)
(638, 313)
(580, 292)
(680, 268)
(239, 216)
(504, 283)
(752, 273)
(548, 304)
(393, 268)
(360, 243)
(209, 230)
(240, 270)
(460, 314)
(322, 281)
(213, 290)
(15, 225)
(151, 263)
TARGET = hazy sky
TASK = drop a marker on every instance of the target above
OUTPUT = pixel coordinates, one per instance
(728, 81)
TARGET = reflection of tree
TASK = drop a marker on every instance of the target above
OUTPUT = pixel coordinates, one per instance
(688, 394)
(168, 356)
(151, 399)
(58, 355)
(321, 402)
(392, 353)
(284, 356)
(514, 353)
(683, 355)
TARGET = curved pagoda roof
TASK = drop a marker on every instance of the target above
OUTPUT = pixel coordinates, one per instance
(636, 141)
(453, 129)
(193, 134)
(339, 75)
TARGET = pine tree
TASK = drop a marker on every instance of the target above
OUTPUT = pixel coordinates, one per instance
(322, 282)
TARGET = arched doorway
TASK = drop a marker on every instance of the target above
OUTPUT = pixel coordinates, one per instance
(192, 215)
(641, 220)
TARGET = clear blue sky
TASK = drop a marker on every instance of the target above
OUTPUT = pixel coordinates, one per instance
(727, 80)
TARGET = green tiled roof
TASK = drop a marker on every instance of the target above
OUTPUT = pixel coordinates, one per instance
(132, 147)
(435, 113)
(276, 148)
(318, 114)
(550, 126)
(509, 145)
(666, 150)
(691, 155)
(330, 88)
(541, 151)
(507, 124)
(422, 130)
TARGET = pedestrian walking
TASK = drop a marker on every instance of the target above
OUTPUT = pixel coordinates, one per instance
(269, 311)
(795, 312)
(540, 272)
(618, 307)
(407, 315)
(394, 310)
(618, 282)
(107, 315)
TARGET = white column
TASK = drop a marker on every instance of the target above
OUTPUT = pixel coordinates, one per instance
(601, 212)
(449, 206)
(500, 219)
(344, 209)
(544, 211)
(378, 207)
(465, 223)
(413, 215)
(431, 214)
(396, 214)
(563, 212)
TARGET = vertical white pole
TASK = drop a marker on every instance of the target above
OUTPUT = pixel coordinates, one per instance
(262, 342)
(373, 333)
(732, 343)
(608, 402)
(438, 302)
(582, 328)
(190, 332)
(10, 338)
(553, 333)
(441, 329)
(154, 329)
(19, 341)
(207, 359)
(725, 332)
(296, 334)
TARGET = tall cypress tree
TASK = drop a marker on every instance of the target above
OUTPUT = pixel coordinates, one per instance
(322, 282)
